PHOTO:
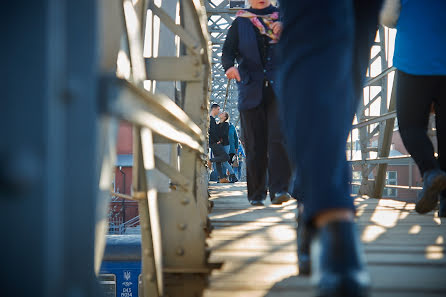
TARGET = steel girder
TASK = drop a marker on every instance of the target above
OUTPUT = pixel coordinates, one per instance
(220, 18)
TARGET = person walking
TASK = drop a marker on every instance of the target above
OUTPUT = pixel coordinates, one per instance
(325, 49)
(233, 143)
(252, 40)
(240, 160)
(420, 59)
(223, 130)
(217, 151)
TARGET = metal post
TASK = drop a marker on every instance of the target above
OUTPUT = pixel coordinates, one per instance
(380, 179)
(144, 192)
(48, 173)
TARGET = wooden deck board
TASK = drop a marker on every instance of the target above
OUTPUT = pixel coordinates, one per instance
(405, 251)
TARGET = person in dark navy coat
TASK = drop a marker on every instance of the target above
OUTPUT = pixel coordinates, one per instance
(251, 41)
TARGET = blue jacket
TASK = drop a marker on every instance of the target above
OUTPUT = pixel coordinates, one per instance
(233, 139)
(420, 44)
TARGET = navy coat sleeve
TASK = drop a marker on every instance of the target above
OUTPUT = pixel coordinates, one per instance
(230, 47)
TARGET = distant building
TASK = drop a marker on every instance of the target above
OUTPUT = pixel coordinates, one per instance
(399, 172)
(123, 210)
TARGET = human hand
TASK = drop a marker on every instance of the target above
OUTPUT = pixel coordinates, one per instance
(232, 73)
(277, 28)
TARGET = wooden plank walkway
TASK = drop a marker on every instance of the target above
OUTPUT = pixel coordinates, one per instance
(405, 251)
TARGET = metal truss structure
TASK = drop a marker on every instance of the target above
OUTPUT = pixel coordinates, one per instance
(83, 67)
(96, 63)
(220, 17)
(369, 124)
(375, 122)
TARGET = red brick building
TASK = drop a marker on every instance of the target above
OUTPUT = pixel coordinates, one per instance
(122, 210)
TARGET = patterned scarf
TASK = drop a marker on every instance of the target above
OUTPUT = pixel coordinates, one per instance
(268, 20)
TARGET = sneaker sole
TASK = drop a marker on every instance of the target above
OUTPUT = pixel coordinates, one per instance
(429, 200)
(280, 200)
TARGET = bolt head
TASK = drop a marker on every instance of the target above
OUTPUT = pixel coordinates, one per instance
(180, 251)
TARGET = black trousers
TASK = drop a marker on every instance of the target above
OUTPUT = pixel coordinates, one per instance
(264, 148)
(415, 96)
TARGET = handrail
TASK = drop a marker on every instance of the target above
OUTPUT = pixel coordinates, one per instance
(394, 186)
(374, 120)
(395, 160)
(383, 161)
(379, 76)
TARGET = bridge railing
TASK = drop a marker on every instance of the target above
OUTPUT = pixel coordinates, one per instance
(174, 224)
(383, 124)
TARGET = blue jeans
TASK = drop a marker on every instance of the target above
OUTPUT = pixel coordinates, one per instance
(238, 170)
(226, 165)
(325, 48)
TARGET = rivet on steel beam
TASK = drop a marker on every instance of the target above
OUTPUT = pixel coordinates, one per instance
(185, 201)
(182, 226)
(197, 74)
(180, 251)
(147, 252)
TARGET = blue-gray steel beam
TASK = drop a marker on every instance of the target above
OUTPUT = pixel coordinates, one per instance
(49, 175)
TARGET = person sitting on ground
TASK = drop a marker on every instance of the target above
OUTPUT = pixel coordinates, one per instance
(214, 144)
(223, 128)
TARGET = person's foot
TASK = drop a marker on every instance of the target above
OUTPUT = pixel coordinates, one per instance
(338, 267)
(233, 178)
(257, 202)
(304, 235)
(442, 207)
(434, 181)
(280, 197)
(223, 180)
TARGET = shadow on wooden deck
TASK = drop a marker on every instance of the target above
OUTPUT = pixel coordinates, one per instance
(405, 251)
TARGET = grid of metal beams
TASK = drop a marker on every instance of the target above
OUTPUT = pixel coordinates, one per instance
(220, 17)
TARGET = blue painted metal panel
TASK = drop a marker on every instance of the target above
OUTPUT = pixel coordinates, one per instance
(127, 274)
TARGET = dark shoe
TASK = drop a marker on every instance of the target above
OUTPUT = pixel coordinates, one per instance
(442, 207)
(257, 202)
(434, 181)
(304, 234)
(233, 178)
(338, 267)
(223, 180)
(280, 198)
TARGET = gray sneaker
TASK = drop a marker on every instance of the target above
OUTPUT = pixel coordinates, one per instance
(280, 198)
(434, 181)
